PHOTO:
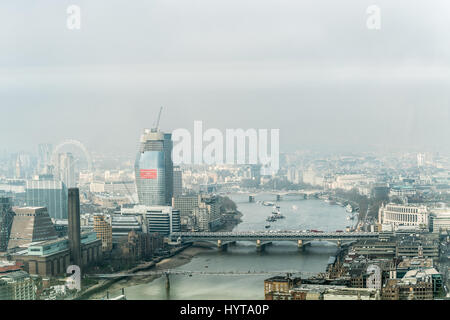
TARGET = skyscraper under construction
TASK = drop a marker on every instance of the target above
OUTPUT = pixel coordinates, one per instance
(154, 168)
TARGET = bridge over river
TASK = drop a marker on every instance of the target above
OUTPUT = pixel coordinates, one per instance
(202, 273)
(263, 238)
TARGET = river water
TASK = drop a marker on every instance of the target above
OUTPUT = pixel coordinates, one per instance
(300, 215)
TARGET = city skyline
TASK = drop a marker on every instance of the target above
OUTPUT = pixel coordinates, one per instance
(212, 150)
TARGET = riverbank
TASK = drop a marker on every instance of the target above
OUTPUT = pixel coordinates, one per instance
(180, 258)
(309, 214)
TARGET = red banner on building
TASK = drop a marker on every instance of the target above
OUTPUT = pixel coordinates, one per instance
(149, 173)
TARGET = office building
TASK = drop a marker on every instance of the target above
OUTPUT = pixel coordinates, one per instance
(413, 263)
(103, 229)
(399, 289)
(440, 220)
(6, 220)
(47, 192)
(30, 224)
(66, 169)
(122, 225)
(395, 215)
(141, 245)
(294, 175)
(207, 214)
(44, 156)
(202, 211)
(410, 248)
(212, 205)
(177, 181)
(186, 204)
(156, 219)
(154, 169)
(17, 285)
(163, 220)
(428, 275)
(402, 191)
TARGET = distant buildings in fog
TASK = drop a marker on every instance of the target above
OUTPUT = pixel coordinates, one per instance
(393, 217)
(47, 192)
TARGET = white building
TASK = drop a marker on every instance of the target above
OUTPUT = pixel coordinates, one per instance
(313, 178)
(294, 175)
(402, 191)
(161, 219)
(350, 181)
(404, 215)
(440, 220)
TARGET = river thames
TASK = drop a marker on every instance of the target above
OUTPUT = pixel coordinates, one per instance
(299, 215)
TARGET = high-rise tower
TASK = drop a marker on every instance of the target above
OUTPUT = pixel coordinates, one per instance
(48, 192)
(154, 168)
(45, 154)
(66, 169)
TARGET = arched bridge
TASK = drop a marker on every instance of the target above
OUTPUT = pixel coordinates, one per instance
(264, 238)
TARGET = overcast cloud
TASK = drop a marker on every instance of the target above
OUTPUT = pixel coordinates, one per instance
(310, 68)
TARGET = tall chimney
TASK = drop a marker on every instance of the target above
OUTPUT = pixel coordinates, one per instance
(74, 226)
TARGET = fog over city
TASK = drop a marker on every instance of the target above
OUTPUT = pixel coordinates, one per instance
(310, 68)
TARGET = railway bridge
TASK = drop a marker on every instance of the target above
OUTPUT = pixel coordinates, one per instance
(264, 238)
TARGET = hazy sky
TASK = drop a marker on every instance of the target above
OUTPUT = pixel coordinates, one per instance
(310, 68)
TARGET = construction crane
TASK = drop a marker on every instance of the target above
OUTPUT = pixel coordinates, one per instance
(156, 126)
(129, 193)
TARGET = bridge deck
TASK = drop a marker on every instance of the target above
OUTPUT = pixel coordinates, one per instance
(272, 236)
(203, 273)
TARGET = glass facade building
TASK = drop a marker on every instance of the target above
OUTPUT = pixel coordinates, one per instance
(51, 194)
(163, 220)
(150, 178)
(154, 169)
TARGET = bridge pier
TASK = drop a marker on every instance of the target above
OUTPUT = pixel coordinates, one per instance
(339, 243)
(167, 281)
(301, 245)
(223, 246)
(220, 246)
(261, 246)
